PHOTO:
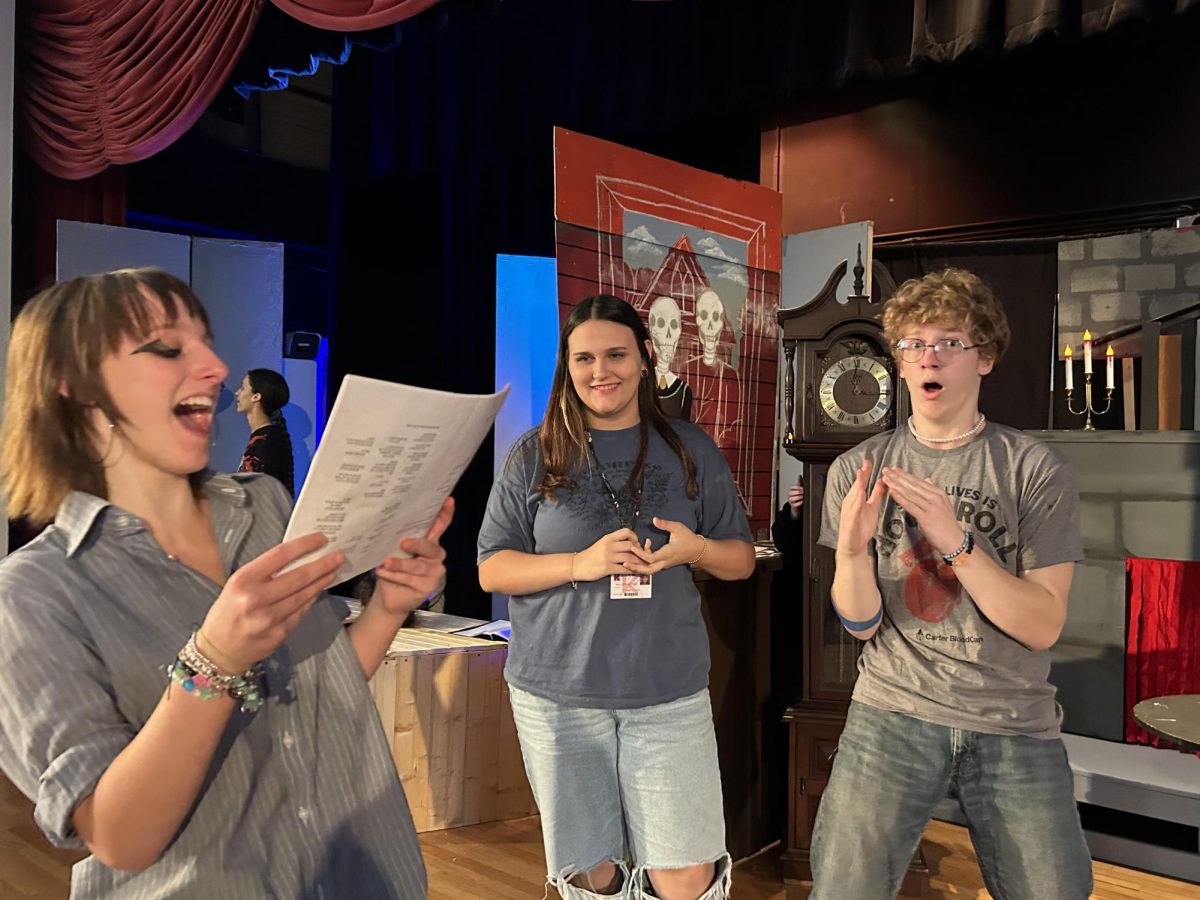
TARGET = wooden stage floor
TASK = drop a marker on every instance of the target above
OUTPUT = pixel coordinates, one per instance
(501, 860)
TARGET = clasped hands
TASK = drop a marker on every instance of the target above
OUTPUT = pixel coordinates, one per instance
(925, 501)
(622, 552)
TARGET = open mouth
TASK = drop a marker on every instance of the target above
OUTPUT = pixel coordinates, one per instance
(195, 414)
(931, 388)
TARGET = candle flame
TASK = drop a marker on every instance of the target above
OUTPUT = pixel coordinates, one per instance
(1087, 336)
(1109, 352)
(1067, 351)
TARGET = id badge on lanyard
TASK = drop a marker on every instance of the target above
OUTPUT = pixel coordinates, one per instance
(627, 585)
(630, 587)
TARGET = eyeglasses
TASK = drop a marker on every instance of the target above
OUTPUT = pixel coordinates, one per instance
(913, 349)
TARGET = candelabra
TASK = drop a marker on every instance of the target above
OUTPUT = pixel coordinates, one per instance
(1088, 408)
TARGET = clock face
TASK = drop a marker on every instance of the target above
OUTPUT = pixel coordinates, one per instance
(856, 391)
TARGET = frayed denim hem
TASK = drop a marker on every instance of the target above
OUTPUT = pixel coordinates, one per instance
(641, 888)
(561, 882)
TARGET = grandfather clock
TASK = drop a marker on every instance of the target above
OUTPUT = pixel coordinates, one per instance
(840, 387)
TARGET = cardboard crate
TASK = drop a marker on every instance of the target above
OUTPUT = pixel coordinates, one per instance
(444, 705)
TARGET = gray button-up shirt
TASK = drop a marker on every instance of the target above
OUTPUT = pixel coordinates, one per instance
(302, 798)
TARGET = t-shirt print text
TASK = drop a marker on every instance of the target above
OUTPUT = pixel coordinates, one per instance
(931, 588)
(972, 509)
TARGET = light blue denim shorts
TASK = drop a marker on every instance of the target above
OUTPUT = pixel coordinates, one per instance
(640, 787)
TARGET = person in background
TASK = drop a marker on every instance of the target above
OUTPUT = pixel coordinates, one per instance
(610, 695)
(170, 698)
(788, 529)
(955, 543)
(789, 605)
(260, 398)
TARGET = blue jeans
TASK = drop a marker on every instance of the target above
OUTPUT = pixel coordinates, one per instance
(891, 770)
(638, 786)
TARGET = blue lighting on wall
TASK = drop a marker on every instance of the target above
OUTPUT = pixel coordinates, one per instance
(322, 391)
(526, 340)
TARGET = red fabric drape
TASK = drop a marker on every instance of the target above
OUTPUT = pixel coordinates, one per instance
(1162, 655)
(104, 82)
(352, 15)
(40, 200)
(115, 81)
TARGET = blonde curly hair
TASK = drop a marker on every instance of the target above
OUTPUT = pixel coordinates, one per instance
(952, 298)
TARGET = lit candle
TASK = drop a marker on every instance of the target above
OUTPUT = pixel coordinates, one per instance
(1087, 353)
(1108, 374)
(1070, 368)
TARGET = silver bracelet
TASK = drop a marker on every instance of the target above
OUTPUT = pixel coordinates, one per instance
(194, 658)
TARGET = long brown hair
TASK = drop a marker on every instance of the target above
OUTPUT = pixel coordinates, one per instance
(563, 435)
(53, 378)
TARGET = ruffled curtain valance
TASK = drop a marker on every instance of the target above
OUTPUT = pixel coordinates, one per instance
(114, 81)
(352, 15)
(106, 82)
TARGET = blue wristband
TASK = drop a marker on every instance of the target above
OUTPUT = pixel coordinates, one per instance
(851, 625)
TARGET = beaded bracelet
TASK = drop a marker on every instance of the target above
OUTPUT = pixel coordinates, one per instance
(703, 550)
(196, 673)
(246, 691)
(194, 657)
(192, 682)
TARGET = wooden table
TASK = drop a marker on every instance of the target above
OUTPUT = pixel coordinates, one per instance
(1174, 718)
(444, 706)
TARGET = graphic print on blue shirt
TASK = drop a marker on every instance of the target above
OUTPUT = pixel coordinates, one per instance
(573, 643)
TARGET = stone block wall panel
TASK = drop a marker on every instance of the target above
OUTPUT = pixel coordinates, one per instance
(1110, 282)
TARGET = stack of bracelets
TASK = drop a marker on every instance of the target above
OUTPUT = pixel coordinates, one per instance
(196, 673)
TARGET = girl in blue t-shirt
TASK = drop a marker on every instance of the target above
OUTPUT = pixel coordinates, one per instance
(608, 673)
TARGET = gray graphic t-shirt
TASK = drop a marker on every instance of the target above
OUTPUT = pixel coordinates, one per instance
(577, 646)
(936, 656)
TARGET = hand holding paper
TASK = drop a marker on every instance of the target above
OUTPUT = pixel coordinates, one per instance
(403, 583)
(388, 459)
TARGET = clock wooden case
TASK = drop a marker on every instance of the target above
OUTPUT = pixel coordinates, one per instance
(837, 370)
(841, 386)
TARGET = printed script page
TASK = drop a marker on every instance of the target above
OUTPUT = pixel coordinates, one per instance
(389, 456)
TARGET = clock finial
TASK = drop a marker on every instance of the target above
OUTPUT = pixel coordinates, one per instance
(859, 271)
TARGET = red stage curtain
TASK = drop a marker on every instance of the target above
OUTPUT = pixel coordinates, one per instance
(352, 15)
(40, 200)
(105, 82)
(1162, 655)
(115, 81)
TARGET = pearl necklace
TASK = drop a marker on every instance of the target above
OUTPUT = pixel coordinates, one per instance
(974, 430)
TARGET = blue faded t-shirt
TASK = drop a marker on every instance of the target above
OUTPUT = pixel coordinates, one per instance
(576, 646)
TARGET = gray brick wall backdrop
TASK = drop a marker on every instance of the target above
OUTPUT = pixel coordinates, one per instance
(1139, 495)
(1105, 283)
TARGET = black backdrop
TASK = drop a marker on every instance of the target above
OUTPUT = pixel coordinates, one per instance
(442, 158)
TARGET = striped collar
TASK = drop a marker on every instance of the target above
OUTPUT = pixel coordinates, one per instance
(79, 513)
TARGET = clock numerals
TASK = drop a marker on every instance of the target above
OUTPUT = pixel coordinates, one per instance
(856, 391)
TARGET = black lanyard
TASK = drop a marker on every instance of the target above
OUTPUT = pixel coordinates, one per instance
(612, 495)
